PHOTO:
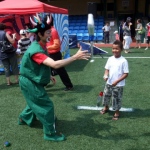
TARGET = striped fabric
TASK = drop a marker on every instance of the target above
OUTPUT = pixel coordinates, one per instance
(23, 44)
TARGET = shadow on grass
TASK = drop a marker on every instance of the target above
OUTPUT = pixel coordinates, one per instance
(137, 113)
(4, 86)
(77, 65)
(76, 89)
(87, 126)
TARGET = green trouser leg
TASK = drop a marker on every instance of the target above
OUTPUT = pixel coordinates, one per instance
(28, 116)
(38, 103)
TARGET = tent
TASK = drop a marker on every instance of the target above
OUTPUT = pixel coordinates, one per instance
(15, 14)
(28, 7)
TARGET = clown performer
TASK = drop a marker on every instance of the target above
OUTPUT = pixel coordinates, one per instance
(35, 74)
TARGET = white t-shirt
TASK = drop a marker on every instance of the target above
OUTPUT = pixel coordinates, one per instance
(106, 28)
(117, 67)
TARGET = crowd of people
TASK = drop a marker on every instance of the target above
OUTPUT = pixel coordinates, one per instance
(124, 33)
(22, 44)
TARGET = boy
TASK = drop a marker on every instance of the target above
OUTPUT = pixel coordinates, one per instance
(106, 29)
(115, 74)
(24, 42)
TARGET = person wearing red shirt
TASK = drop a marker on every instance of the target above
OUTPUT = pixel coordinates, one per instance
(148, 34)
(54, 47)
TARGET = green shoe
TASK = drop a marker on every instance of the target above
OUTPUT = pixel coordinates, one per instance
(54, 137)
(21, 122)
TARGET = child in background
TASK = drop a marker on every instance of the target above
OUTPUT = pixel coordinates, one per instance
(117, 35)
(115, 74)
(148, 34)
(106, 29)
(24, 41)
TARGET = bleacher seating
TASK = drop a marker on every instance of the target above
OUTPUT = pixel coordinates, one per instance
(78, 26)
(74, 31)
(83, 27)
(99, 36)
(77, 23)
(80, 31)
(71, 27)
(79, 36)
(85, 37)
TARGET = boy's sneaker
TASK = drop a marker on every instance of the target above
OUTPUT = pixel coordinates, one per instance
(146, 48)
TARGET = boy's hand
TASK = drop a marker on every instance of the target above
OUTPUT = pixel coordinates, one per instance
(105, 77)
(115, 83)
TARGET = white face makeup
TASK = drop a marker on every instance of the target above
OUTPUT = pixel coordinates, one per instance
(47, 35)
(48, 39)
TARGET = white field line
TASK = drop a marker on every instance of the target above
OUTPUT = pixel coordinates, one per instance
(125, 57)
(100, 108)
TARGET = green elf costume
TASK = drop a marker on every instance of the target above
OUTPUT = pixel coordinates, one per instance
(33, 78)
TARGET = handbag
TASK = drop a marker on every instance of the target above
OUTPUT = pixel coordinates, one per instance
(7, 47)
(142, 31)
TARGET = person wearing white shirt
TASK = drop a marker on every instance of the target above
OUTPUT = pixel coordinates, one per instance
(106, 29)
(116, 70)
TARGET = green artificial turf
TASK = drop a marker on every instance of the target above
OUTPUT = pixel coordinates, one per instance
(84, 129)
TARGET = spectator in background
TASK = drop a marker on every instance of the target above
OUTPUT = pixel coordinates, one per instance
(106, 29)
(24, 41)
(148, 34)
(15, 42)
(138, 35)
(127, 36)
(117, 35)
(8, 59)
(54, 47)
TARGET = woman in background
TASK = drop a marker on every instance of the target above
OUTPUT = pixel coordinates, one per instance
(138, 35)
(127, 36)
(9, 60)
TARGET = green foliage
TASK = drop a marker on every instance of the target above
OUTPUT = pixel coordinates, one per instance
(85, 130)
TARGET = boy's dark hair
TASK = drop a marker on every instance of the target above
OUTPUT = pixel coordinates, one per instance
(119, 43)
(2, 26)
